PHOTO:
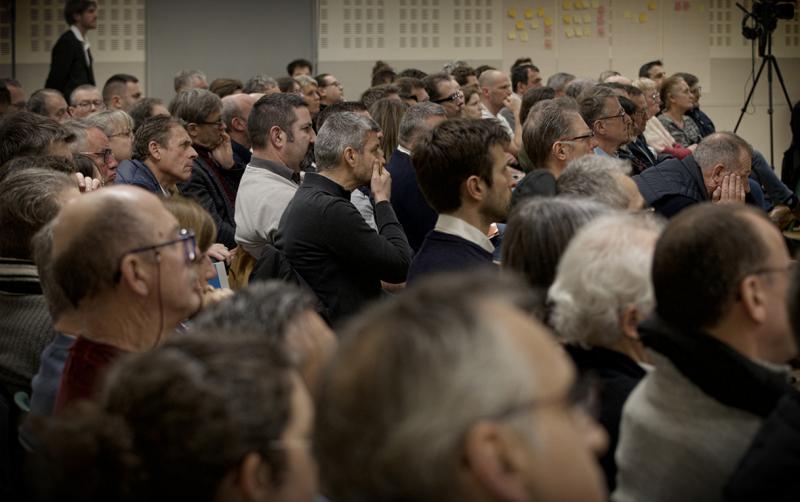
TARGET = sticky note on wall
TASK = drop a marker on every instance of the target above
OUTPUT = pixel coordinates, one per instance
(520, 25)
(528, 13)
(512, 13)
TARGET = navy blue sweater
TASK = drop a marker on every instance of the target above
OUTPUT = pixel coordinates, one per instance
(441, 252)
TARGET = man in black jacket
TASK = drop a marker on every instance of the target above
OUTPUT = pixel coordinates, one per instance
(71, 61)
(323, 235)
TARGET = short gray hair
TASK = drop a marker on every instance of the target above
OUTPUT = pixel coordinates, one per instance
(195, 105)
(81, 88)
(37, 103)
(183, 79)
(721, 148)
(340, 131)
(604, 270)
(548, 121)
(593, 104)
(596, 177)
(414, 121)
(259, 83)
(111, 121)
(42, 250)
(579, 86)
(80, 129)
(558, 81)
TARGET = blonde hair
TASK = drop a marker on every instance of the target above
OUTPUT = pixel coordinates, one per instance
(191, 215)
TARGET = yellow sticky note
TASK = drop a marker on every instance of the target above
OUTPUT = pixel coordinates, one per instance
(523, 37)
(576, 19)
(512, 13)
(548, 21)
(652, 6)
(569, 32)
(595, 3)
(528, 13)
(587, 32)
(567, 19)
(587, 18)
(512, 35)
(535, 24)
(626, 14)
(520, 25)
(642, 18)
(540, 12)
(701, 7)
(566, 5)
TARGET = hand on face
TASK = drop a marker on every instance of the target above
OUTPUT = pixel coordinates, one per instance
(381, 183)
(223, 152)
(730, 190)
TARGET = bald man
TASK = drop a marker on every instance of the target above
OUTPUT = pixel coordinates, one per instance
(496, 94)
(235, 113)
(135, 286)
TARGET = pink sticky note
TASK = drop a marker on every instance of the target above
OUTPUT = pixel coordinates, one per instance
(677, 6)
(601, 32)
(685, 4)
(548, 43)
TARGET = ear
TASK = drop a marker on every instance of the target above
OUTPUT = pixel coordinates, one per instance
(71, 110)
(239, 124)
(598, 126)
(558, 151)
(753, 298)
(475, 188)
(116, 101)
(717, 172)
(628, 322)
(492, 462)
(350, 156)
(275, 136)
(154, 149)
(254, 478)
(135, 275)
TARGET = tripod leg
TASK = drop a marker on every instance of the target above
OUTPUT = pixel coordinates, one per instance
(770, 110)
(750, 96)
(783, 85)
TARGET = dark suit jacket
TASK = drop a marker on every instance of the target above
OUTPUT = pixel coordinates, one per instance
(410, 206)
(68, 68)
(134, 172)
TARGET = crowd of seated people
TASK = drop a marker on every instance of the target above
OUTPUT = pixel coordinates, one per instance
(466, 285)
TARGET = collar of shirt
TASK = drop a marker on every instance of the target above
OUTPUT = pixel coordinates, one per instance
(83, 41)
(486, 114)
(325, 184)
(404, 150)
(275, 168)
(456, 226)
(601, 152)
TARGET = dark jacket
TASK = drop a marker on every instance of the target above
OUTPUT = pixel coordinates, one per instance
(703, 121)
(68, 68)
(413, 211)
(537, 183)
(134, 172)
(672, 186)
(241, 154)
(330, 246)
(215, 188)
(617, 375)
(638, 154)
(443, 252)
(769, 469)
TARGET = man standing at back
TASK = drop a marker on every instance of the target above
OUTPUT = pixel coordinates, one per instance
(71, 60)
(281, 134)
(323, 235)
(461, 169)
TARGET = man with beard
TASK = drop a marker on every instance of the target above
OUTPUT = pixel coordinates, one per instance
(461, 169)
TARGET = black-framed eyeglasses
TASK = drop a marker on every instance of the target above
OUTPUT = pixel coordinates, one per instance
(185, 236)
(587, 136)
(88, 104)
(458, 95)
(106, 154)
(617, 116)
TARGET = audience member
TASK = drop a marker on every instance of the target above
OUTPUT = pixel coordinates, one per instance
(413, 211)
(373, 94)
(382, 74)
(604, 114)
(71, 60)
(703, 121)
(559, 82)
(163, 156)
(464, 75)
(31, 198)
(235, 113)
(531, 97)
(137, 284)
(601, 292)
(604, 179)
(496, 94)
(412, 90)
(388, 113)
(189, 79)
(206, 417)
(323, 235)
(146, 108)
(718, 338)
(654, 70)
(85, 100)
(16, 93)
(260, 84)
(638, 151)
(718, 171)
(49, 162)
(554, 135)
(215, 178)
(299, 67)
(288, 85)
(790, 166)
(604, 76)
(404, 397)
(472, 101)
(49, 103)
(92, 140)
(330, 90)
(121, 92)
(578, 87)
(120, 128)
(677, 100)
(412, 73)
(26, 133)
(461, 169)
(226, 87)
(444, 90)
(281, 134)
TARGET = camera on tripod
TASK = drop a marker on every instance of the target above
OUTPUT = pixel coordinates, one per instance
(763, 19)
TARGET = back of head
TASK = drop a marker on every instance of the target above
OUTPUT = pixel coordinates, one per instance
(75, 7)
(414, 121)
(579, 86)
(413, 73)
(604, 271)
(142, 110)
(272, 110)
(388, 113)
(462, 73)
(194, 105)
(49, 162)
(558, 81)
(373, 410)
(259, 83)
(79, 128)
(374, 93)
(37, 102)
(595, 177)
(342, 106)
(724, 148)
(549, 122)
(406, 85)
(31, 198)
(225, 86)
(172, 423)
(452, 152)
(538, 232)
(531, 97)
(111, 121)
(183, 79)
(340, 131)
(26, 133)
(593, 104)
(116, 85)
(700, 260)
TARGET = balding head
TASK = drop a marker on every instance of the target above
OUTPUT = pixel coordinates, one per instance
(235, 112)
(495, 88)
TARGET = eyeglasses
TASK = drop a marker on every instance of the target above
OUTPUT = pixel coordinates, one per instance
(128, 133)
(106, 155)
(218, 123)
(583, 396)
(617, 116)
(588, 135)
(86, 104)
(184, 236)
(456, 96)
(335, 82)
